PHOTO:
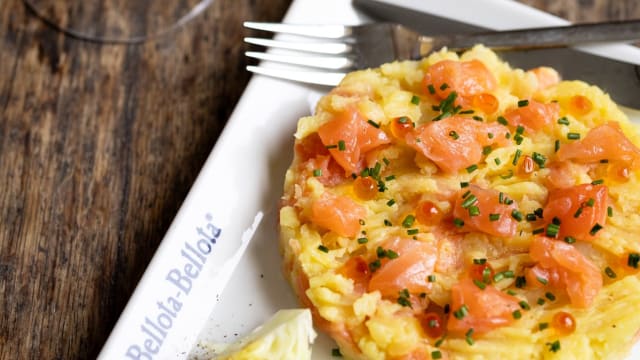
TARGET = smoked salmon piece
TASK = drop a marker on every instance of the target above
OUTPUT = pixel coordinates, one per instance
(534, 116)
(577, 210)
(606, 142)
(562, 266)
(410, 270)
(456, 142)
(495, 212)
(466, 78)
(338, 213)
(348, 136)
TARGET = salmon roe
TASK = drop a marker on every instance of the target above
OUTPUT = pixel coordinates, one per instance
(486, 103)
(432, 324)
(564, 323)
(400, 127)
(357, 269)
(526, 166)
(580, 105)
(481, 272)
(428, 213)
(366, 188)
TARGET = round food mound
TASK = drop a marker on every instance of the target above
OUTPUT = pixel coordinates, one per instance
(457, 208)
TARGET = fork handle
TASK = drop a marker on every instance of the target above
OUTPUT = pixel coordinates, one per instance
(559, 36)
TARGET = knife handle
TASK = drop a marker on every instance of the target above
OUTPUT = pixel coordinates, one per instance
(546, 37)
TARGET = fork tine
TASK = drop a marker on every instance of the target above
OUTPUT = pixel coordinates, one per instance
(318, 48)
(309, 77)
(319, 31)
(322, 62)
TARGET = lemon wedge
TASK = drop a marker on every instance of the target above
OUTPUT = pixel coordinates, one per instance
(288, 334)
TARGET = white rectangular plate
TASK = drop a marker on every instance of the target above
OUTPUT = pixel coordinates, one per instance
(229, 219)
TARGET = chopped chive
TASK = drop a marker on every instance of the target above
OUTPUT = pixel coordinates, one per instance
(431, 278)
(464, 184)
(498, 277)
(554, 346)
(380, 252)
(472, 168)
(578, 212)
(573, 136)
(387, 222)
(520, 130)
(597, 182)
(408, 221)
(542, 280)
(480, 284)
(516, 314)
(386, 161)
(511, 292)
(524, 305)
(323, 248)
(390, 177)
(516, 157)
(415, 100)
(331, 147)
(516, 215)
(609, 211)
(375, 265)
(633, 260)
(556, 146)
(335, 352)
(392, 254)
(490, 135)
(435, 107)
(597, 227)
(444, 86)
(458, 222)
(543, 326)
(362, 240)
(521, 281)
(477, 118)
(412, 231)
(501, 198)
(507, 135)
(469, 340)
(474, 211)
(523, 103)
(436, 354)
(466, 193)
(540, 301)
(604, 161)
(431, 88)
(480, 261)
(552, 230)
(461, 313)
(518, 138)
(508, 175)
(317, 172)
(569, 239)
(470, 200)
(610, 273)
(590, 202)
(466, 112)
(391, 202)
(341, 145)
(538, 212)
(494, 217)
(502, 120)
(531, 217)
(563, 121)
(539, 159)
(487, 150)
(537, 231)
(454, 135)
(497, 161)
(373, 123)
(550, 296)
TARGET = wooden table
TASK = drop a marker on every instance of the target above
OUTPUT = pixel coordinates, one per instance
(99, 145)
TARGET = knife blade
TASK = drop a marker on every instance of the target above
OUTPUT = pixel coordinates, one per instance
(621, 80)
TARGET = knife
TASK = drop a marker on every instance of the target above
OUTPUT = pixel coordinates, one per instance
(618, 78)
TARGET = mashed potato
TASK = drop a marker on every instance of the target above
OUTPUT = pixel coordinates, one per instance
(457, 208)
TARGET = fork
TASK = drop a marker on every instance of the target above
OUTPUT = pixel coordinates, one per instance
(331, 51)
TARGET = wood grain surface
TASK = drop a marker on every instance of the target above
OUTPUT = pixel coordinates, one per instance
(99, 145)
